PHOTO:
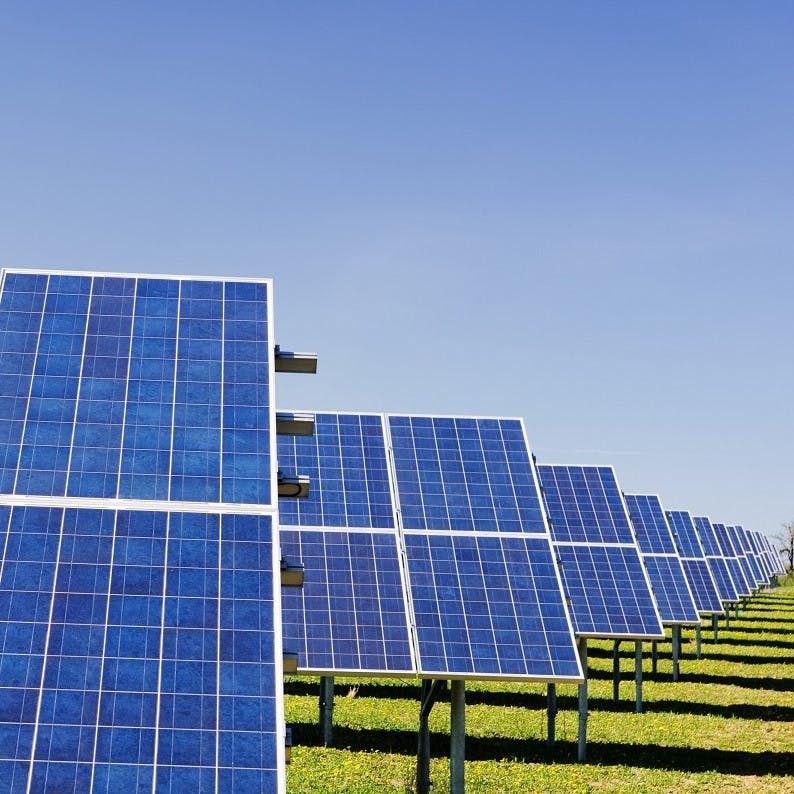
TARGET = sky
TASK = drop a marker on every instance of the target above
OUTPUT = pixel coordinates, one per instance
(580, 213)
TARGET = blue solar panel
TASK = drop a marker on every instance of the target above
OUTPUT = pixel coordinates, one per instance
(585, 505)
(751, 571)
(670, 589)
(488, 604)
(140, 647)
(141, 388)
(685, 534)
(735, 567)
(650, 525)
(483, 603)
(348, 473)
(703, 587)
(464, 474)
(351, 613)
(137, 647)
(602, 573)
(717, 563)
(693, 558)
(608, 591)
(665, 572)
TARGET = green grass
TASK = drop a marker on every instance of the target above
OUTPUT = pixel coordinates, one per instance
(726, 725)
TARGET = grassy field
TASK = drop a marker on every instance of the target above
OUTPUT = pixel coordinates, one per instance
(726, 725)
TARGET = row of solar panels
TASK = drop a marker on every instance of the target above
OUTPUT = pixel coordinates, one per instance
(435, 546)
(140, 626)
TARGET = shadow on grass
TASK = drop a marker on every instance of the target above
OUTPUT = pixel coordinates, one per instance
(651, 756)
(748, 682)
(537, 701)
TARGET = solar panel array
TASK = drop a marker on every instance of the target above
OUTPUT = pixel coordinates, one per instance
(693, 558)
(665, 571)
(603, 574)
(750, 566)
(138, 603)
(465, 572)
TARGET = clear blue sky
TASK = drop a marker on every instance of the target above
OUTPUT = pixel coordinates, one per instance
(579, 213)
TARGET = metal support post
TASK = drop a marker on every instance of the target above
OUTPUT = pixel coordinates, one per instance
(728, 616)
(638, 675)
(616, 671)
(697, 641)
(457, 737)
(654, 656)
(715, 627)
(736, 610)
(551, 713)
(429, 693)
(327, 709)
(676, 650)
(583, 701)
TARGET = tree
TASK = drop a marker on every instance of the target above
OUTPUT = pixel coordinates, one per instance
(785, 539)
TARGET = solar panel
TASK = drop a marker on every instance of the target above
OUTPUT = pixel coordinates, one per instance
(734, 566)
(460, 473)
(717, 563)
(481, 596)
(488, 604)
(486, 594)
(603, 575)
(351, 615)
(141, 643)
(761, 554)
(743, 546)
(665, 572)
(693, 558)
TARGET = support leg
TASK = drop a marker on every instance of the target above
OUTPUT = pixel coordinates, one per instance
(457, 738)
(676, 650)
(616, 671)
(429, 693)
(715, 628)
(654, 656)
(727, 617)
(638, 675)
(551, 713)
(327, 709)
(697, 641)
(583, 702)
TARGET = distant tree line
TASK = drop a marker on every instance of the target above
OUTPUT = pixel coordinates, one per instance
(785, 539)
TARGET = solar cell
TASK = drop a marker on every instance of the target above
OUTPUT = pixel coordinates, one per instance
(602, 573)
(717, 563)
(141, 638)
(665, 572)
